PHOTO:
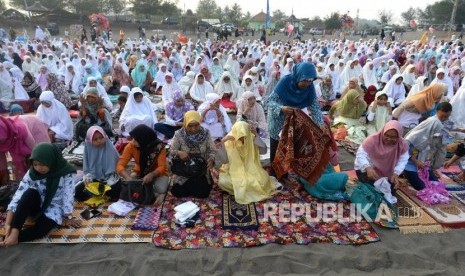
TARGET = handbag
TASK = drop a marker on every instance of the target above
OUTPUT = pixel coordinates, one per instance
(194, 166)
(135, 192)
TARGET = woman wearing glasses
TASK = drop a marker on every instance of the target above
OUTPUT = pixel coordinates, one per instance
(382, 154)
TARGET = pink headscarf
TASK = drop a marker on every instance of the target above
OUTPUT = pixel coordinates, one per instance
(385, 157)
(207, 75)
(420, 67)
(13, 136)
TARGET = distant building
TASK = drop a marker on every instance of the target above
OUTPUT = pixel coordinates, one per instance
(258, 22)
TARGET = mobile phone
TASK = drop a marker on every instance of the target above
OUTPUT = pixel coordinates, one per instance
(90, 213)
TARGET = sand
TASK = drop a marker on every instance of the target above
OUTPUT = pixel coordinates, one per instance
(395, 254)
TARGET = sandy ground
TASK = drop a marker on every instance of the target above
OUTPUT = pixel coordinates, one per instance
(395, 254)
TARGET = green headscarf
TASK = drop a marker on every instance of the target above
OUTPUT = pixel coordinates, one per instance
(50, 156)
(347, 108)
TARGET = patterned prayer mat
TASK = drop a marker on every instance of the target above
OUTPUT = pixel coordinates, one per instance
(147, 218)
(450, 215)
(107, 228)
(349, 146)
(208, 231)
(451, 180)
(238, 216)
(74, 153)
(413, 219)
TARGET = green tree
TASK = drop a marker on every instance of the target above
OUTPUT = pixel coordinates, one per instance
(425, 16)
(385, 17)
(85, 7)
(440, 13)
(2, 5)
(332, 21)
(170, 9)
(234, 15)
(316, 22)
(408, 15)
(225, 14)
(115, 6)
(145, 7)
(207, 9)
(278, 15)
(247, 16)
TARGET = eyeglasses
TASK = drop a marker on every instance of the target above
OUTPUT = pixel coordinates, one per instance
(309, 80)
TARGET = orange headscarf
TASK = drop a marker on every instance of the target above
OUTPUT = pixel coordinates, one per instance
(426, 99)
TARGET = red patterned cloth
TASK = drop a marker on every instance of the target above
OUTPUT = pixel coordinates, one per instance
(147, 218)
(303, 148)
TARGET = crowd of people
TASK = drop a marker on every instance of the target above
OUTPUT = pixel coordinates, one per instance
(223, 102)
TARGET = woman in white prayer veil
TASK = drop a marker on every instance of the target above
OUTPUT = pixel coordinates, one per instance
(409, 76)
(6, 84)
(420, 84)
(348, 73)
(17, 78)
(124, 66)
(138, 110)
(197, 64)
(30, 66)
(369, 75)
(169, 88)
(333, 59)
(395, 90)
(39, 34)
(214, 116)
(186, 82)
(92, 82)
(200, 88)
(72, 79)
(227, 89)
(458, 109)
(56, 116)
(233, 67)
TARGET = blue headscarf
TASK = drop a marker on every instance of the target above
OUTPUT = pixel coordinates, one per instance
(288, 89)
(16, 108)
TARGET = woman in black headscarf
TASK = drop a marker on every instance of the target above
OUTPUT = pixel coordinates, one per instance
(149, 154)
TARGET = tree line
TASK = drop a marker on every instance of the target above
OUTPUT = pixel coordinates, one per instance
(436, 13)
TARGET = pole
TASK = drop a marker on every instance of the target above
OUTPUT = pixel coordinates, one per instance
(452, 18)
(27, 8)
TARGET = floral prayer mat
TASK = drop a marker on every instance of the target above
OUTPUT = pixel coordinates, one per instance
(208, 230)
(107, 228)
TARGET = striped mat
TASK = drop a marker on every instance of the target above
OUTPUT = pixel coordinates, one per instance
(107, 228)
